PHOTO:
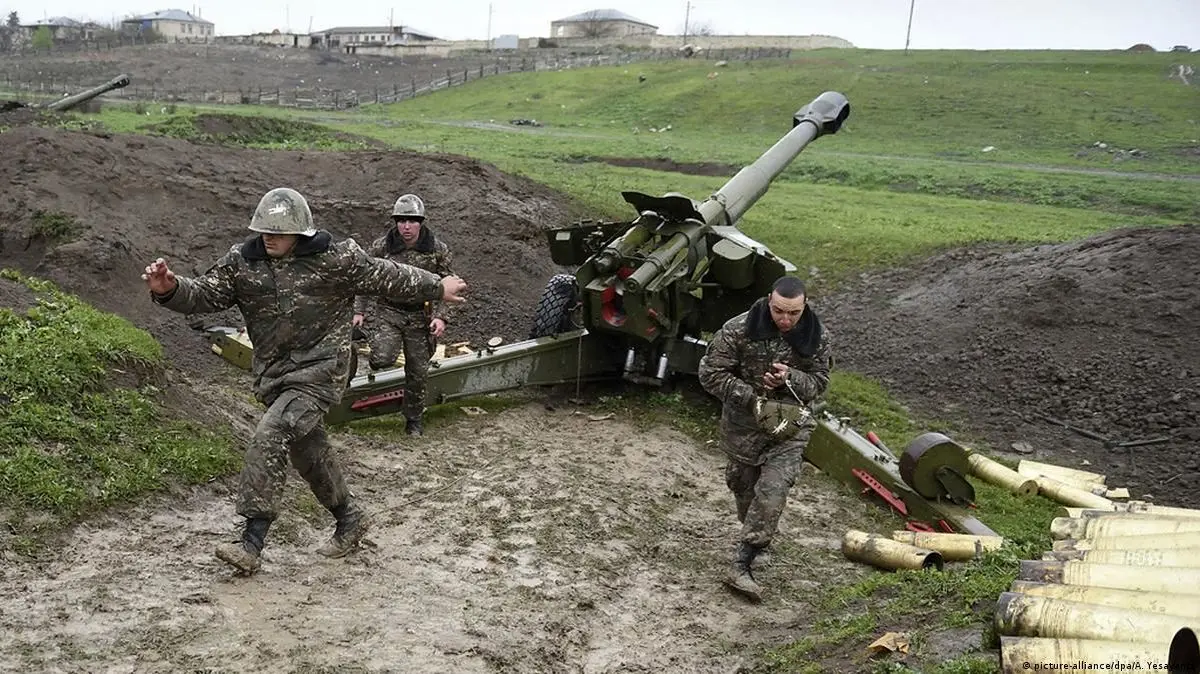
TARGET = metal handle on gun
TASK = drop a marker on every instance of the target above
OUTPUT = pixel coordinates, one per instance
(809, 411)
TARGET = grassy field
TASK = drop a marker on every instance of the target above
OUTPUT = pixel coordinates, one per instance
(907, 176)
(74, 439)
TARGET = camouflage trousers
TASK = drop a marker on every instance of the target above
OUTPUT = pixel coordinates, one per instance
(292, 427)
(418, 345)
(761, 490)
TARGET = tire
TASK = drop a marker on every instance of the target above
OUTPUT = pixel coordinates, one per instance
(553, 312)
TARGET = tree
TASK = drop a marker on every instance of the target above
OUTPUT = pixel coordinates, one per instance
(698, 28)
(593, 25)
(43, 38)
(8, 31)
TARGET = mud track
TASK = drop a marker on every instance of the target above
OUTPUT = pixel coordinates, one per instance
(526, 541)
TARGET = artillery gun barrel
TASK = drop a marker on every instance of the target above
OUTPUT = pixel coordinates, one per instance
(613, 253)
(656, 263)
(75, 99)
(824, 115)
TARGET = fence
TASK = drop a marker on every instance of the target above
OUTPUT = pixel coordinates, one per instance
(322, 98)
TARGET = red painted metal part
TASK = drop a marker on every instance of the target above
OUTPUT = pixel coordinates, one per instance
(381, 399)
(884, 493)
(873, 485)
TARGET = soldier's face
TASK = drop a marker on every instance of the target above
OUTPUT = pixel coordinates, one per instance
(279, 245)
(409, 229)
(786, 311)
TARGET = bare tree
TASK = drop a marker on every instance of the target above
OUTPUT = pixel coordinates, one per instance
(8, 31)
(593, 25)
(698, 28)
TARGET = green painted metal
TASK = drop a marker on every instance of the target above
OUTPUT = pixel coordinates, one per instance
(565, 358)
(837, 450)
(82, 97)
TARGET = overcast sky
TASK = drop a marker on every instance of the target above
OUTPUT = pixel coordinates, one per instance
(879, 24)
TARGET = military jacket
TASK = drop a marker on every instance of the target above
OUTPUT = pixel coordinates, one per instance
(427, 252)
(738, 356)
(298, 308)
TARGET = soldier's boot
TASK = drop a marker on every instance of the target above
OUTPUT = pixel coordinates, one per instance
(740, 579)
(413, 427)
(352, 525)
(245, 554)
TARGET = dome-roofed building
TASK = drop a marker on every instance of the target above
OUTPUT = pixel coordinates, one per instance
(600, 23)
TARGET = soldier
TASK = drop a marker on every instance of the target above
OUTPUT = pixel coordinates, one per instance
(295, 287)
(401, 324)
(776, 351)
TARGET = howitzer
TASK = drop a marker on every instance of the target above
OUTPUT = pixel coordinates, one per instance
(75, 100)
(642, 297)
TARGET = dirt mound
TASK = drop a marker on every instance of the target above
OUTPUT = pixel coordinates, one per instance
(89, 210)
(1098, 333)
(668, 164)
(16, 296)
(252, 130)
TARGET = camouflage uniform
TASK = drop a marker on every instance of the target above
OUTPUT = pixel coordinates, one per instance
(401, 325)
(297, 310)
(762, 467)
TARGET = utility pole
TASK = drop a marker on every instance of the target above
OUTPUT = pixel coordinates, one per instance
(489, 28)
(908, 35)
(686, 15)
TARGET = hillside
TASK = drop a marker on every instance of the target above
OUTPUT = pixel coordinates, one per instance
(966, 291)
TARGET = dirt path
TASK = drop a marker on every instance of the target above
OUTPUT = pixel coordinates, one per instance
(524, 541)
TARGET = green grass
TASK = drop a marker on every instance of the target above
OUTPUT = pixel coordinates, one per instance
(53, 226)
(71, 440)
(1043, 107)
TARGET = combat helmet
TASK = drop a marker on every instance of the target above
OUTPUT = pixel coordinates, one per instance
(409, 206)
(283, 211)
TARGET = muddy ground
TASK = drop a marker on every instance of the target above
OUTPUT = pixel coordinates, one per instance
(535, 539)
(180, 67)
(524, 541)
(1097, 333)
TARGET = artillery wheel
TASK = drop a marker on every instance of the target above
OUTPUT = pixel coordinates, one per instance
(553, 312)
(925, 456)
